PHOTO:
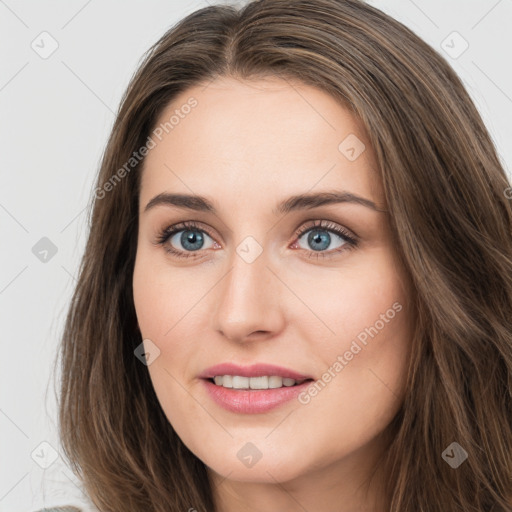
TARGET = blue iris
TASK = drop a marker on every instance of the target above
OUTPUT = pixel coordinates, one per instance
(317, 236)
(192, 238)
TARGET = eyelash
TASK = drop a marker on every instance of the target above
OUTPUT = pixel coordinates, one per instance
(351, 242)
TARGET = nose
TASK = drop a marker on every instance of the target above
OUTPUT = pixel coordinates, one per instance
(248, 301)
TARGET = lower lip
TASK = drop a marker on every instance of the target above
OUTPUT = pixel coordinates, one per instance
(252, 401)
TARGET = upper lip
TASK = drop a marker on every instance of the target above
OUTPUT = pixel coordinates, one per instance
(254, 370)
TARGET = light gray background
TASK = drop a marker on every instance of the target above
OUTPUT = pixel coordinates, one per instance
(56, 114)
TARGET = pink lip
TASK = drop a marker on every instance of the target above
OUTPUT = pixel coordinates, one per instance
(255, 400)
(252, 401)
(255, 370)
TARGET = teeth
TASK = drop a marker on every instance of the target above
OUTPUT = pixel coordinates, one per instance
(275, 382)
(237, 382)
(258, 382)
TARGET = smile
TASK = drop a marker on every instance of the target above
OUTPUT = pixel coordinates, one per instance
(247, 400)
(263, 382)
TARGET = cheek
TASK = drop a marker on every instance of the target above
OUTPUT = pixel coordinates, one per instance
(364, 372)
(162, 296)
(364, 345)
(361, 300)
(168, 314)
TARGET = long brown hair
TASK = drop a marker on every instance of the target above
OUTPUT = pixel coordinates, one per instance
(452, 226)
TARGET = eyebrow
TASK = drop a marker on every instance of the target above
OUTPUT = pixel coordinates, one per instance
(297, 202)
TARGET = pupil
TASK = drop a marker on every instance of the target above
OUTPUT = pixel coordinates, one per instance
(193, 237)
(316, 237)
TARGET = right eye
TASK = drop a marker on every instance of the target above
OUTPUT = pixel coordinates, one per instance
(188, 234)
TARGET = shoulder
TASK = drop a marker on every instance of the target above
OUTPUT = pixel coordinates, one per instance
(59, 509)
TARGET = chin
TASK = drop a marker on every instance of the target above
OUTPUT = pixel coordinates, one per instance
(275, 467)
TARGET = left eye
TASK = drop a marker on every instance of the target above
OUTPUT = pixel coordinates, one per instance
(319, 239)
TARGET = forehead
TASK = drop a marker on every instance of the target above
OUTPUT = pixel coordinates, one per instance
(257, 139)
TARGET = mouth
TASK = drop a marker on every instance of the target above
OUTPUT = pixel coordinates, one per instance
(264, 382)
(257, 388)
(253, 395)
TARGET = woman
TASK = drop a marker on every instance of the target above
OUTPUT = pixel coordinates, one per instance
(296, 292)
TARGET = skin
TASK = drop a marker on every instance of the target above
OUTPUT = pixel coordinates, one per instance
(246, 146)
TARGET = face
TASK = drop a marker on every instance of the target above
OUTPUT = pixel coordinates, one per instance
(312, 287)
